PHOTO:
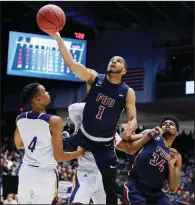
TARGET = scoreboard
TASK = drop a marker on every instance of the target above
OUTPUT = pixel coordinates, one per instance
(38, 56)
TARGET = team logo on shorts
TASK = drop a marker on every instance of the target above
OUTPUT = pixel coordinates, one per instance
(157, 138)
(99, 82)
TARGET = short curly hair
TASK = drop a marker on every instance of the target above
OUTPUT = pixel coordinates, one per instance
(28, 92)
(172, 118)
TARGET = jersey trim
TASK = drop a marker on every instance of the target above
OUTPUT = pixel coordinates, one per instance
(34, 116)
(93, 138)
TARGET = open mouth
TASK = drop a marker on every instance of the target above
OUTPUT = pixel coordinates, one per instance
(112, 67)
(167, 128)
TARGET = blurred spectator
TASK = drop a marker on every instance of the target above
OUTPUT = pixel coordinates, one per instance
(15, 199)
(60, 200)
(185, 198)
(11, 199)
(191, 200)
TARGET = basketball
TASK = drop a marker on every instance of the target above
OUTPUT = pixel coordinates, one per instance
(51, 19)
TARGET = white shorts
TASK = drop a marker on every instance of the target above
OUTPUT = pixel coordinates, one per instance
(37, 185)
(88, 185)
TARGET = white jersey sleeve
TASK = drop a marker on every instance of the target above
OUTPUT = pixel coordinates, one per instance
(76, 114)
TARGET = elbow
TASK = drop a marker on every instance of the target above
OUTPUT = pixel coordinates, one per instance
(172, 190)
(19, 145)
(131, 151)
(57, 157)
(126, 147)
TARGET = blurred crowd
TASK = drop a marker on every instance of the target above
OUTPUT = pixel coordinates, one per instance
(11, 199)
(11, 159)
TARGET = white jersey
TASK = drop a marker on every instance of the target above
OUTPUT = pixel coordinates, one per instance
(76, 115)
(35, 134)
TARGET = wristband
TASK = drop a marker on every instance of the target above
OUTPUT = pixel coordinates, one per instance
(150, 135)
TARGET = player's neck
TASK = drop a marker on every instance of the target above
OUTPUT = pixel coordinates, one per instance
(168, 142)
(38, 110)
(113, 79)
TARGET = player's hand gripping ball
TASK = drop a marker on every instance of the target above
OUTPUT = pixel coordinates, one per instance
(51, 19)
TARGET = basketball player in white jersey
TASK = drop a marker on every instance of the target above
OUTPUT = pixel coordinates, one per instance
(40, 134)
(88, 182)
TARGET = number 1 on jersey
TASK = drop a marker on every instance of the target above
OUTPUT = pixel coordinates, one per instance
(100, 112)
(32, 145)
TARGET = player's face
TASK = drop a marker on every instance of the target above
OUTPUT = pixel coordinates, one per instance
(116, 66)
(43, 97)
(169, 128)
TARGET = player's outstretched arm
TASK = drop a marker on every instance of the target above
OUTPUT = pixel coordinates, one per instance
(175, 163)
(17, 138)
(143, 138)
(127, 134)
(133, 147)
(131, 109)
(56, 132)
(81, 71)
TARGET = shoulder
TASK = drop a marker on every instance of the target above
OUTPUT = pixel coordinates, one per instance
(17, 118)
(21, 116)
(55, 124)
(55, 120)
(94, 74)
(130, 95)
(130, 91)
(179, 157)
(92, 71)
(179, 161)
